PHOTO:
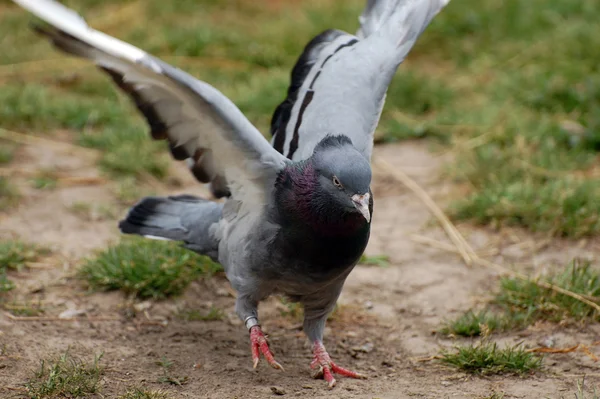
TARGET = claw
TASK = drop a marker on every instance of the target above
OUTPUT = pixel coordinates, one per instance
(325, 368)
(259, 345)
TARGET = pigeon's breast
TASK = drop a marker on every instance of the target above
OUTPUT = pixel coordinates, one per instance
(318, 258)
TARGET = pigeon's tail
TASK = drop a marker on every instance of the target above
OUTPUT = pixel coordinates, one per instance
(186, 218)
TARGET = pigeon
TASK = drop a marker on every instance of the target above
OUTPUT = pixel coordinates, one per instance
(296, 213)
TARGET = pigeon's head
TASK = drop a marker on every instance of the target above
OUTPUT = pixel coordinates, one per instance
(329, 191)
(344, 175)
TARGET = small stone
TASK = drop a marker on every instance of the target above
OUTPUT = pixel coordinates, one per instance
(140, 307)
(369, 305)
(278, 390)
(71, 313)
(366, 348)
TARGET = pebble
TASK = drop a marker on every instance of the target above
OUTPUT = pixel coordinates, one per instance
(277, 390)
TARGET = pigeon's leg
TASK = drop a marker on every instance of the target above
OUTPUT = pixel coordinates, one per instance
(247, 311)
(315, 315)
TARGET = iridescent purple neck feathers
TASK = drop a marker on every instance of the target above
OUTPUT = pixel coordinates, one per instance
(302, 201)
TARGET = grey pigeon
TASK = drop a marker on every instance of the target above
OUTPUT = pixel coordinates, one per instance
(297, 214)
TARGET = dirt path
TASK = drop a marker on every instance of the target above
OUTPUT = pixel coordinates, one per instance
(385, 323)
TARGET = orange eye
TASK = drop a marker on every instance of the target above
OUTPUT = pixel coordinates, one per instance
(336, 182)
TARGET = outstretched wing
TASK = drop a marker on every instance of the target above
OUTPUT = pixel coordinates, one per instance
(199, 122)
(340, 80)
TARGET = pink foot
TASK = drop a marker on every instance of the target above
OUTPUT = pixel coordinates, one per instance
(325, 368)
(259, 344)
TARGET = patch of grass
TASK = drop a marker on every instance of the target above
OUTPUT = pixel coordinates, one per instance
(472, 324)
(495, 395)
(521, 166)
(144, 393)
(14, 255)
(7, 152)
(45, 180)
(35, 107)
(581, 391)
(486, 358)
(168, 377)
(92, 212)
(128, 151)
(9, 194)
(195, 315)
(146, 268)
(25, 309)
(65, 377)
(376, 260)
(525, 302)
(128, 192)
(521, 303)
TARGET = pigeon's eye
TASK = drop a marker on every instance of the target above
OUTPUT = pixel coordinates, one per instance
(336, 182)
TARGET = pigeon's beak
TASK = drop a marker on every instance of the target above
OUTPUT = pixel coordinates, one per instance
(361, 202)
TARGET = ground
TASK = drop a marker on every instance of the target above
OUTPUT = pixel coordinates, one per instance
(385, 327)
(494, 114)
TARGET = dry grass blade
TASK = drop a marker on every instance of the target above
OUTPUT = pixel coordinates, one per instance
(585, 349)
(553, 350)
(462, 247)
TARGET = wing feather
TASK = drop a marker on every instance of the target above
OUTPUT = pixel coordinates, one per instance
(344, 90)
(199, 122)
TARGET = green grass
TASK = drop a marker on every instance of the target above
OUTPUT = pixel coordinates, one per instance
(486, 359)
(65, 377)
(168, 377)
(26, 309)
(7, 152)
(520, 303)
(581, 391)
(93, 211)
(526, 302)
(144, 393)
(46, 179)
(495, 395)
(9, 194)
(146, 268)
(375, 260)
(14, 255)
(196, 315)
(472, 324)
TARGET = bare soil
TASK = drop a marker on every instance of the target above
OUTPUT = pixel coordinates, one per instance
(384, 328)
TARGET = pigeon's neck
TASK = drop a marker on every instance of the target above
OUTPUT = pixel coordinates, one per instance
(302, 203)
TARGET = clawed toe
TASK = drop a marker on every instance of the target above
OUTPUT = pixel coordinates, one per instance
(324, 367)
(260, 345)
